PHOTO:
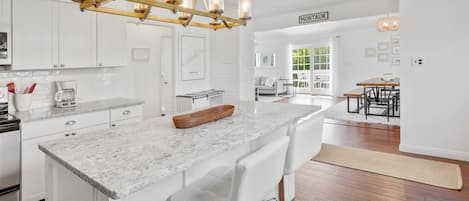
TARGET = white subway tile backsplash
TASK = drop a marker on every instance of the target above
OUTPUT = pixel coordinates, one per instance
(92, 84)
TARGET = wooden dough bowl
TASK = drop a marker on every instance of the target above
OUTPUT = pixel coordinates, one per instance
(203, 116)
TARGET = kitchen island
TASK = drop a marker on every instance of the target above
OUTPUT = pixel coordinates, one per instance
(152, 160)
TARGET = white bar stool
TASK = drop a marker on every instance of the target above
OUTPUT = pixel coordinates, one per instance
(252, 179)
(305, 144)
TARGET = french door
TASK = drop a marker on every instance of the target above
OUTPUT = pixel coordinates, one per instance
(311, 69)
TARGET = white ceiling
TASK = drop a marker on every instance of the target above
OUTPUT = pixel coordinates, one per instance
(263, 8)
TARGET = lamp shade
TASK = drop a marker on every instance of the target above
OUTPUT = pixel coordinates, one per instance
(216, 6)
(245, 9)
(186, 4)
(389, 23)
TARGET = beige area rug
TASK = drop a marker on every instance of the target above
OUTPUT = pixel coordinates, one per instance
(430, 172)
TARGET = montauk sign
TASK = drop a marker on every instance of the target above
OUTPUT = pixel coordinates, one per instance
(314, 18)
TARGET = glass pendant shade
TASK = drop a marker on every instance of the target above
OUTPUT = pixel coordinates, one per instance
(140, 8)
(389, 23)
(245, 9)
(186, 4)
(216, 6)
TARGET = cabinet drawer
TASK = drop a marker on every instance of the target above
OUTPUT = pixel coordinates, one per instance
(63, 124)
(124, 122)
(33, 160)
(126, 113)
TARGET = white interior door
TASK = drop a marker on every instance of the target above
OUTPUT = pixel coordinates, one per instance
(167, 74)
(146, 50)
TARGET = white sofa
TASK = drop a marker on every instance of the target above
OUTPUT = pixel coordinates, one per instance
(268, 86)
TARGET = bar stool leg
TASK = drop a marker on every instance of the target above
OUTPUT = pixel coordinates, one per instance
(281, 190)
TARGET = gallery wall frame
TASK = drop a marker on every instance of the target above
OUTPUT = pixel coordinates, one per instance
(193, 59)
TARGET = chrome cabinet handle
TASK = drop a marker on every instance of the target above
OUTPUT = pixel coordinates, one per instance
(113, 125)
(67, 135)
(70, 134)
(127, 112)
(55, 66)
(74, 134)
(70, 123)
(100, 64)
(62, 65)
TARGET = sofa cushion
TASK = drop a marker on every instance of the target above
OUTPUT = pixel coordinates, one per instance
(270, 82)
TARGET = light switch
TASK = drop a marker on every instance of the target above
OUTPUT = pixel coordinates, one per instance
(417, 61)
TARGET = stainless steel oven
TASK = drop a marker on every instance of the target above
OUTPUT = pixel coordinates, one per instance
(10, 151)
(5, 44)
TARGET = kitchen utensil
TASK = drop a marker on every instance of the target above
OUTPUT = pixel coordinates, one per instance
(32, 88)
(11, 87)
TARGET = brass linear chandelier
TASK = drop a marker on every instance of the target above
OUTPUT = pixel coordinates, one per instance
(185, 10)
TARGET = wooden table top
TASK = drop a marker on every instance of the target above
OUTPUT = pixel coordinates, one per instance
(378, 82)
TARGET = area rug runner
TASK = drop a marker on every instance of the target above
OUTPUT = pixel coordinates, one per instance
(430, 172)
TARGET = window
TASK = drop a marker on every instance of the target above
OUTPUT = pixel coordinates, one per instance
(301, 59)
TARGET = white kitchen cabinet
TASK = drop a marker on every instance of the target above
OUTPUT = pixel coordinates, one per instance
(112, 40)
(120, 123)
(126, 115)
(56, 34)
(35, 34)
(77, 37)
(33, 160)
(63, 124)
(5, 12)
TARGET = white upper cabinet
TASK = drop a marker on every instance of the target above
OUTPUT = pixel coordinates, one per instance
(112, 40)
(77, 37)
(35, 44)
(49, 34)
(5, 11)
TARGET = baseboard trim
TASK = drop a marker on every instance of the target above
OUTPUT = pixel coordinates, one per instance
(442, 153)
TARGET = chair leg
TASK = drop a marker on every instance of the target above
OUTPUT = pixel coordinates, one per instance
(281, 190)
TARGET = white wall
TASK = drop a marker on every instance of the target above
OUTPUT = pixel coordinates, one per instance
(281, 48)
(434, 96)
(353, 65)
(225, 63)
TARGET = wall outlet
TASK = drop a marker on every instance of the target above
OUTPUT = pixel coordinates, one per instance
(417, 61)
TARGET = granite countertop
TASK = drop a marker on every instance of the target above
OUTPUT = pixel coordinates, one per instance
(201, 94)
(122, 161)
(81, 108)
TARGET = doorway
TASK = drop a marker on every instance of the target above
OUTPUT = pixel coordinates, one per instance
(151, 61)
(311, 69)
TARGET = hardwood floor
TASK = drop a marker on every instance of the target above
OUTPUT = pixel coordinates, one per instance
(323, 182)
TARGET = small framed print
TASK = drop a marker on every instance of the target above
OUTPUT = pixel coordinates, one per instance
(396, 50)
(383, 57)
(396, 61)
(140, 54)
(396, 40)
(370, 52)
(383, 46)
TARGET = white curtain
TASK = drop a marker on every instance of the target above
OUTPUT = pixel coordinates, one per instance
(334, 44)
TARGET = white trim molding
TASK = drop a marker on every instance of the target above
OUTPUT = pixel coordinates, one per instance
(437, 152)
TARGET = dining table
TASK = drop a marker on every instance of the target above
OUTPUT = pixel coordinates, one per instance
(376, 85)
